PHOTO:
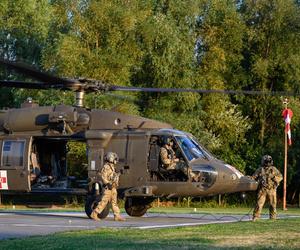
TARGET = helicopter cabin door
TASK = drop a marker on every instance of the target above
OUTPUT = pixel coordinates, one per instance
(14, 165)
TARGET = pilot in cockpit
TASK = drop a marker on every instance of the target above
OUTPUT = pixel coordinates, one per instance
(169, 159)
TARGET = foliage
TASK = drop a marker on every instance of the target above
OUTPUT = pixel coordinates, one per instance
(77, 159)
(271, 40)
(24, 26)
(95, 39)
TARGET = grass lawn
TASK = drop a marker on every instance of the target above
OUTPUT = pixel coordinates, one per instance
(280, 234)
(264, 234)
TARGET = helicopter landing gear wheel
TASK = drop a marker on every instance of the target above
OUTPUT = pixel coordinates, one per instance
(91, 204)
(136, 207)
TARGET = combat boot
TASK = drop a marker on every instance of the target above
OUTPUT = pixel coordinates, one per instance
(119, 218)
(94, 216)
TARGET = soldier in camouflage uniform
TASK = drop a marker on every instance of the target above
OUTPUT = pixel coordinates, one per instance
(110, 180)
(268, 178)
(169, 159)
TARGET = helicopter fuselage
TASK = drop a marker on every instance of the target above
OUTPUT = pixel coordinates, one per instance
(34, 145)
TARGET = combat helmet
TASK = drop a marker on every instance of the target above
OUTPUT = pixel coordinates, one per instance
(266, 161)
(166, 140)
(111, 157)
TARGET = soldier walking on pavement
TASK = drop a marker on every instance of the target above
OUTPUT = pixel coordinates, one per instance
(110, 180)
(268, 178)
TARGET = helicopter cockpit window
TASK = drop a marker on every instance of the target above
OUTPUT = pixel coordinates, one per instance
(190, 148)
(13, 153)
(206, 175)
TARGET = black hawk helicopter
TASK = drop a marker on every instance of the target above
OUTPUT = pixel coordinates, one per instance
(34, 140)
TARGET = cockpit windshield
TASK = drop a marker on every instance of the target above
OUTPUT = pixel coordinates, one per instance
(191, 148)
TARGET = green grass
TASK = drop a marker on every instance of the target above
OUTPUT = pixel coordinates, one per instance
(265, 234)
(220, 210)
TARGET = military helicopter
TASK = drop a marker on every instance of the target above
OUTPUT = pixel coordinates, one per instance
(34, 147)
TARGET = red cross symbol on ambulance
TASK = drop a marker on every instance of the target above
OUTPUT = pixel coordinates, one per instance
(3, 180)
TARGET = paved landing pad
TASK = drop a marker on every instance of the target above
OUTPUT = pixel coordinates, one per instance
(22, 224)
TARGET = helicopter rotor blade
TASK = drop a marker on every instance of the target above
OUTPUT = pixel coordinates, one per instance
(39, 85)
(30, 71)
(22, 84)
(207, 91)
(50, 81)
(91, 85)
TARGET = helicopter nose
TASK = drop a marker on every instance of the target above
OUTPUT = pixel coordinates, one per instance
(246, 184)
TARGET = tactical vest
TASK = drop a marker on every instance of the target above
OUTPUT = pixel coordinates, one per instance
(267, 178)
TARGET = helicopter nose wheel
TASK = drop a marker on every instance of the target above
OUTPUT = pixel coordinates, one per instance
(137, 207)
(92, 202)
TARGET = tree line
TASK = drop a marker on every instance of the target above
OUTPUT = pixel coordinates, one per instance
(207, 44)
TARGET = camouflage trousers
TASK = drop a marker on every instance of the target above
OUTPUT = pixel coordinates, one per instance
(181, 166)
(261, 198)
(109, 196)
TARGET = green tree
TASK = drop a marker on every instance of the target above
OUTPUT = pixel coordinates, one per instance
(271, 63)
(220, 31)
(24, 26)
(167, 39)
(96, 39)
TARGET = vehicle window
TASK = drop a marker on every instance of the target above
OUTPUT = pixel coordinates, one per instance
(13, 153)
(203, 149)
(207, 175)
(190, 148)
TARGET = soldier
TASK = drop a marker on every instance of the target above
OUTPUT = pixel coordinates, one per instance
(268, 178)
(110, 180)
(170, 160)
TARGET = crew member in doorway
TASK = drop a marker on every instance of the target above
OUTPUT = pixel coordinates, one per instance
(169, 159)
(268, 178)
(110, 180)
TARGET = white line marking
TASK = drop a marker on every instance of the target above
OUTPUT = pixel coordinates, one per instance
(67, 214)
(206, 223)
(185, 224)
(60, 226)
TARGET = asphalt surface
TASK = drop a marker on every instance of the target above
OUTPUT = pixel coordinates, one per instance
(18, 224)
